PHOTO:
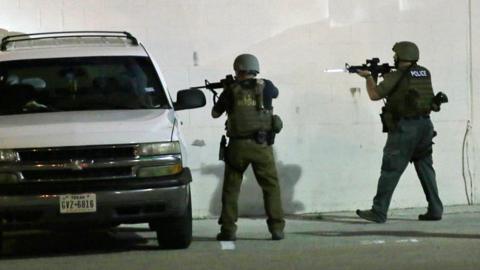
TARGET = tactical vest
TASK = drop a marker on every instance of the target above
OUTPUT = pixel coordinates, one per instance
(414, 94)
(247, 113)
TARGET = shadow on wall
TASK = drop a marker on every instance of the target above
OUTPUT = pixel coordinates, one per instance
(250, 202)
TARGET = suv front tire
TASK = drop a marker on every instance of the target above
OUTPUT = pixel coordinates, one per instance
(174, 232)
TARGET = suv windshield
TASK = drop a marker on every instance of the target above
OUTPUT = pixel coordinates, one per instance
(81, 83)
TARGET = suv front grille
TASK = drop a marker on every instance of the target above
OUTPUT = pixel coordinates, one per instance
(89, 173)
(73, 153)
(77, 163)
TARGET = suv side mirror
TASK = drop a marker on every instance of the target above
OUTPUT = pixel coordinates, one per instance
(189, 99)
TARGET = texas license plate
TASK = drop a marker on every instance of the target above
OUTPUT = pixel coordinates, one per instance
(78, 203)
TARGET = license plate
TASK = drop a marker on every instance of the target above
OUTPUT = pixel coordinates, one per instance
(78, 203)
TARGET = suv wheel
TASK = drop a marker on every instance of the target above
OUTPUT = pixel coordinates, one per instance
(174, 232)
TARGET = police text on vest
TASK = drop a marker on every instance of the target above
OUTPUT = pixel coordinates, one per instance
(419, 73)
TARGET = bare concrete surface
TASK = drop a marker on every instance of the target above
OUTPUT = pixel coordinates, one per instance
(316, 241)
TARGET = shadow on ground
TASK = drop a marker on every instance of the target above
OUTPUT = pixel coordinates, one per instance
(52, 244)
(417, 234)
(213, 239)
(341, 218)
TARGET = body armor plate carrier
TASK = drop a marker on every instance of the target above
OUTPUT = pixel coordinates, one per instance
(248, 115)
(413, 98)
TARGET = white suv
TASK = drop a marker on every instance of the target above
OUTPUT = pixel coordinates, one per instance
(89, 136)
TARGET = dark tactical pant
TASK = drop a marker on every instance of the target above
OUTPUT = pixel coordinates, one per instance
(239, 155)
(410, 141)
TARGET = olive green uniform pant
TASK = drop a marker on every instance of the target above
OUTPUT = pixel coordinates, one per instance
(240, 154)
(410, 141)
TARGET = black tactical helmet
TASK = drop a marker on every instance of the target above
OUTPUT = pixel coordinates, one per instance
(247, 63)
(406, 51)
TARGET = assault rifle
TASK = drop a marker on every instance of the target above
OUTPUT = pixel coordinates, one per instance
(211, 86)
(371, 65)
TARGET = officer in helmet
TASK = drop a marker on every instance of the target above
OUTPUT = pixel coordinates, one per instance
(406, 117)
(247, 102)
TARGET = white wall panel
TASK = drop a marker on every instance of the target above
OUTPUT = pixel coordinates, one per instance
(475, 34)
(40, 4)
(9, 4)
(329, 154)
(51, 19)
(74, 19)
(23, 20)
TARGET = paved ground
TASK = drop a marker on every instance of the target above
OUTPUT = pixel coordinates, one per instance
(326, 241)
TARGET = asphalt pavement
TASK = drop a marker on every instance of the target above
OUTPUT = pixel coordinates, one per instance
(316, 241)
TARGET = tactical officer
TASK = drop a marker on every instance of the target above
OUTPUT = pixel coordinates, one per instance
(406, 117)
(248, 104)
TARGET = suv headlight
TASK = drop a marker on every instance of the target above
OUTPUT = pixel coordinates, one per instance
(155, 149)
(160, 170)
(8, 155)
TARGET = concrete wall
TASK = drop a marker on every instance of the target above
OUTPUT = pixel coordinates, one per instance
(475, 93)
(329, 154)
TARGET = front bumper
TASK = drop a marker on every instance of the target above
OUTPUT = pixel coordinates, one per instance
(121, 203)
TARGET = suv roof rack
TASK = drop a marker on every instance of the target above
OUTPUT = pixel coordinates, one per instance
(67, 34)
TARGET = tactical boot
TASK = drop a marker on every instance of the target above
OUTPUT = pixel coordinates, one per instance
(225, 236)
(278, 235)
(370, 216)
(430, 217)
